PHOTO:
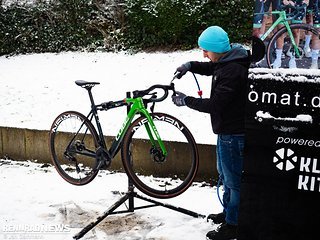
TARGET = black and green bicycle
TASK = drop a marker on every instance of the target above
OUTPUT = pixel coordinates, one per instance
(155, 141)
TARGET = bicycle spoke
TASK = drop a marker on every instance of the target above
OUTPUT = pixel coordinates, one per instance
(154, 173)
(73, 143)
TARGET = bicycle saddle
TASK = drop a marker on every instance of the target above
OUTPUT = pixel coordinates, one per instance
(86, 84)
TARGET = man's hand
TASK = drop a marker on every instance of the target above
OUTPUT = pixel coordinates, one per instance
(182, 70)
(178, 99)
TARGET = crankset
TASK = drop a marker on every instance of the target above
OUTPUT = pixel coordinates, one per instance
(103, 158)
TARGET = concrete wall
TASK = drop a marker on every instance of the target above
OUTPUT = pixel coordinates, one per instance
(27, 144)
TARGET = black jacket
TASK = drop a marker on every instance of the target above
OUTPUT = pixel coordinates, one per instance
(226, 104)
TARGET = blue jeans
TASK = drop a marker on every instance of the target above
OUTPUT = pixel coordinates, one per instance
(229, 166)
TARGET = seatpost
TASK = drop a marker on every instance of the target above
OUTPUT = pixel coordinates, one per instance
(93, 107)
(91, 98)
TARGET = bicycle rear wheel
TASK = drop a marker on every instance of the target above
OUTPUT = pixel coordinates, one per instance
(73, 142)
(153, 174)
(304, 58)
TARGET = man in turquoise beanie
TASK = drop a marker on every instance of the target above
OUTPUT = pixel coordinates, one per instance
(214, 39)
(228, 67)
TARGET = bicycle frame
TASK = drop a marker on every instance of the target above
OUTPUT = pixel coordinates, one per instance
(136, 107)
(282, 19)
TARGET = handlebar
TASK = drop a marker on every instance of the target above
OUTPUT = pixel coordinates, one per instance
(283, 8)
(154, 98)
(295, 9)
(140, 93)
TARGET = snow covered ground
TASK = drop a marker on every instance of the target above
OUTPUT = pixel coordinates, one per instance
(35, 201)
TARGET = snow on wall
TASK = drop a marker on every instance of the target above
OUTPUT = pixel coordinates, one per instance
(281, 74)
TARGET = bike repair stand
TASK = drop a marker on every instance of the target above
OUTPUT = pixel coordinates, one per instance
(130, 195)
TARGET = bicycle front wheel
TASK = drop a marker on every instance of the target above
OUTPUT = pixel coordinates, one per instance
(152, 173)
(290, 57)
(73, 142)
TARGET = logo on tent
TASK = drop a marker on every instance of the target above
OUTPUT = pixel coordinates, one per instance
(285, 159)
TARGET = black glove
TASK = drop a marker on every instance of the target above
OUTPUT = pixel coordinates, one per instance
(178, 99)
(182, 70)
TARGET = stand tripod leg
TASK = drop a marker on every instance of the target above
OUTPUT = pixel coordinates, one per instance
(130, 196)
(99, 219)
(178, 209)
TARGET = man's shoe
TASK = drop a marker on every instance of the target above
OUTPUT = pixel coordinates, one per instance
(314, 65)
(276, 63)
(224, 232)
(292, 63)
(217, 218)
(307, 51)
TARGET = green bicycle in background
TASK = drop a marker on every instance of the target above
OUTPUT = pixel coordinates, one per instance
(155, 141)
(288, 32)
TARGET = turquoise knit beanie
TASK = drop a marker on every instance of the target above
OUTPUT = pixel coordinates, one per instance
(214, 39)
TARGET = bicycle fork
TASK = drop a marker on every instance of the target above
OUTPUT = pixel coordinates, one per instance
(158, 149)
(295, 51)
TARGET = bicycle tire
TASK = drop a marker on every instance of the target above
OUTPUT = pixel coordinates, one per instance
(72, 136)
(302, 62)
(165, 178)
